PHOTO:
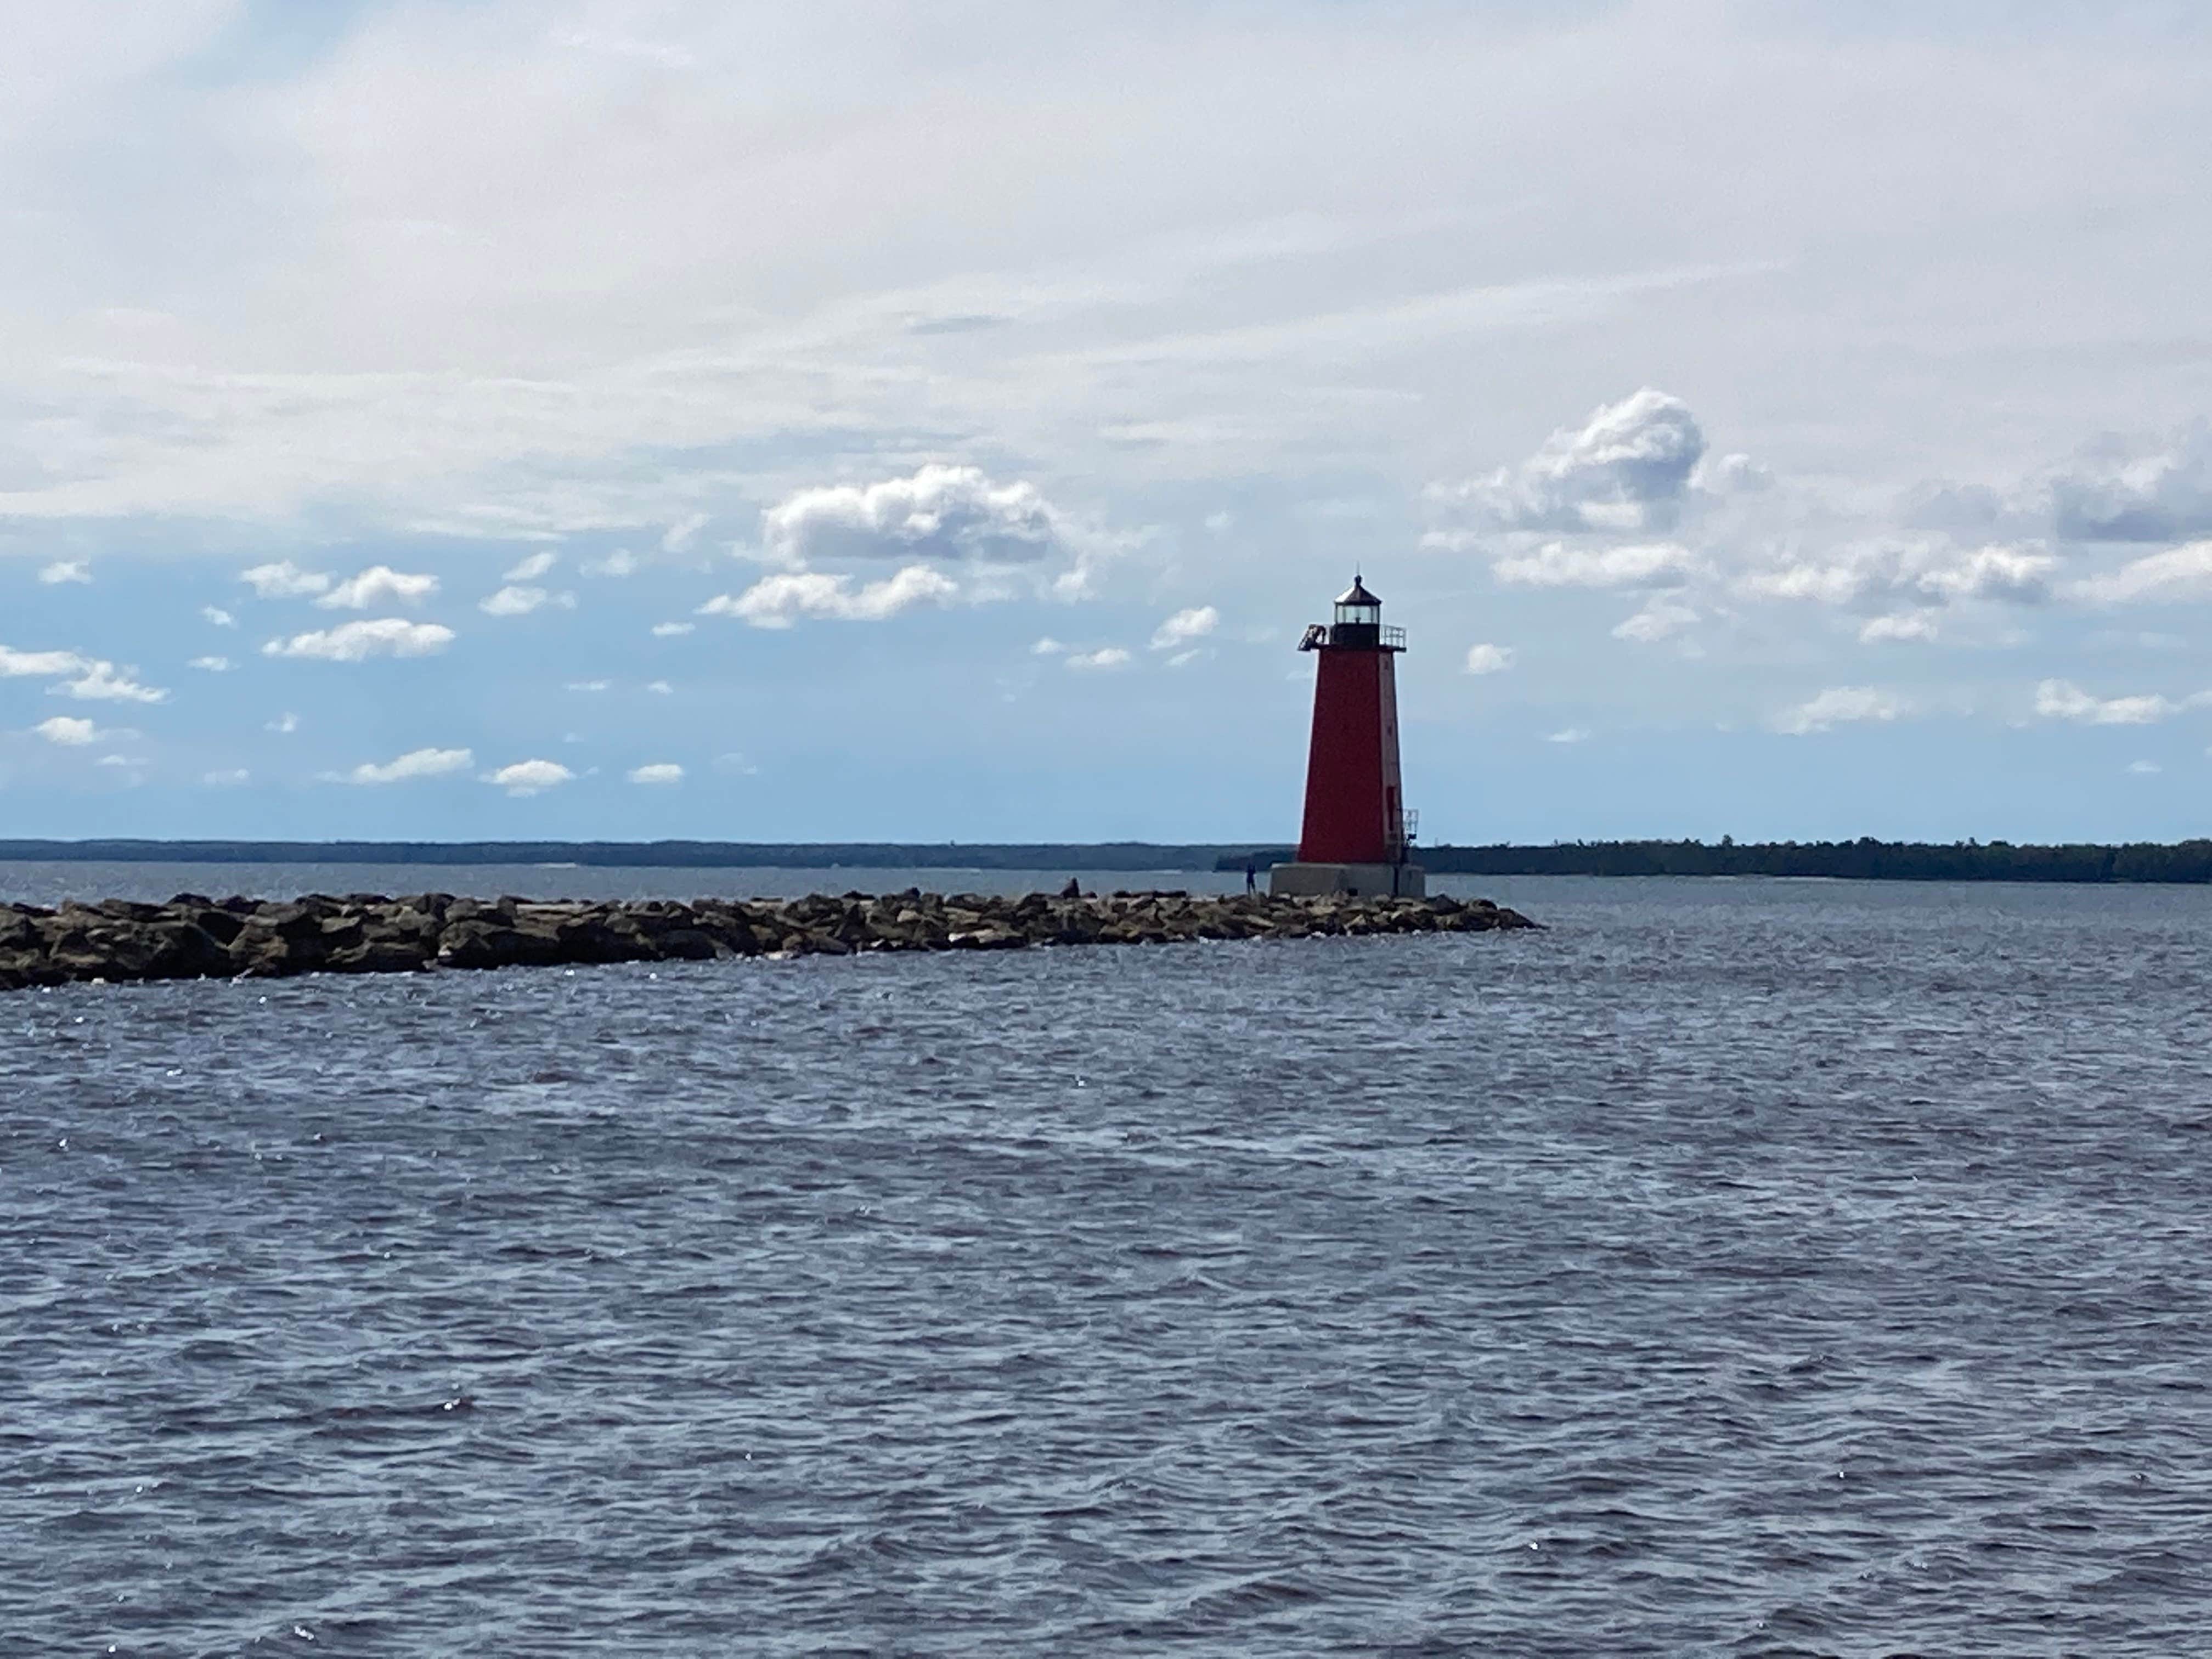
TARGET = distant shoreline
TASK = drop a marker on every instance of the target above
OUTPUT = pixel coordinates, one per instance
(1865, 859)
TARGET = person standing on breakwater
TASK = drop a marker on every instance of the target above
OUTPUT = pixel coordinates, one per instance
(1251, 875)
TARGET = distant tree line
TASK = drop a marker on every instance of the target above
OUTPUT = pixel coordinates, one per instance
(1863, 859)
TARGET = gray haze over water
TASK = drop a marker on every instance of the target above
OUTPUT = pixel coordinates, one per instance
(1736, 1267)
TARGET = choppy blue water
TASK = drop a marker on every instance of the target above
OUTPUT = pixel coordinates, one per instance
(1734, 1268)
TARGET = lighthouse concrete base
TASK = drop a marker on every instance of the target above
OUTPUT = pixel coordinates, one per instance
(1357, 880)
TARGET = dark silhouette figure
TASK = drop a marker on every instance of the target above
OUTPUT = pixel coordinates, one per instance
(1251, 876)
(1073, 890)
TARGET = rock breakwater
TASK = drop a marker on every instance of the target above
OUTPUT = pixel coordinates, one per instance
(191, 936)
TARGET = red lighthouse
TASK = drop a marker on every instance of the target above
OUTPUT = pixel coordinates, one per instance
(1359, 835)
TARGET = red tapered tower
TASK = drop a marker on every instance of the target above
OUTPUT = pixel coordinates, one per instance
(1357, 835)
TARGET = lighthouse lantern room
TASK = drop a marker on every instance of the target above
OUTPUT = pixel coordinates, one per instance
(1359, 835)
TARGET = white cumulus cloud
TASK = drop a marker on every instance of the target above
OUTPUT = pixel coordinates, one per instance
(658, 772)
(284, 580)
(2163, 496)
(89, 679)
(356, 641)
(66, 570)
(2016, 575)
(670, 631)
(415, 763)
(1180, 629)
(212, 664)
(530, 777)
(620, 562)
(67, 730)
(778, 600)
(529, 569)
(1626, 468)
(102, 682)
(1489, 658)
(219, 616)
(1840, 705)
(228, 778)
(39, 665)
(940, 511)
(378, 585)
(1109, 656)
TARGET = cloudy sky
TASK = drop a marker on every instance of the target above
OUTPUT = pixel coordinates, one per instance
(541, 417)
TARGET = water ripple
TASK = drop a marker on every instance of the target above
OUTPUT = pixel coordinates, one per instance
(1744, 1268)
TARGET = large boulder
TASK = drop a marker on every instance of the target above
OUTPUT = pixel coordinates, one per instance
(262, 952)
(486, 942)
(381, 955)
(686, 945)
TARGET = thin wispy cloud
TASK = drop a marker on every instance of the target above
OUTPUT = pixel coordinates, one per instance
(358, 642)
(1104, 658)
(2062, 700)
(789, 597)
(519, 601)
(1841, 705)
(283, 580)
(414, 765)
(1179, 630)
(1657, 564)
